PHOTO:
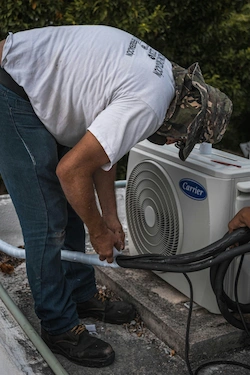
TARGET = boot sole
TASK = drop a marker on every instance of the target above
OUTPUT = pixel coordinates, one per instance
(102, 362)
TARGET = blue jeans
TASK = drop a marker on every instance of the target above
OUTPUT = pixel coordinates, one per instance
(29, 155)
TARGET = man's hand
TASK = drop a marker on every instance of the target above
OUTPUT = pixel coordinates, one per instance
(241, 219)
(114, 236)
(103, 245)
(76, 171)
(104, 184)
(115, 226)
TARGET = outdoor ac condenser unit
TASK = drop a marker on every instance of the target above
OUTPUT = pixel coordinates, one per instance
(176, 207)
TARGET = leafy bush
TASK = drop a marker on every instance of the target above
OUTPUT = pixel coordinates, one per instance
(214, 33)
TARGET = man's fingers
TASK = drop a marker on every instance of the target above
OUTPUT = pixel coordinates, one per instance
(109, 259)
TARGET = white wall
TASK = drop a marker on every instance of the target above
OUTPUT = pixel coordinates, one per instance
(10, 230)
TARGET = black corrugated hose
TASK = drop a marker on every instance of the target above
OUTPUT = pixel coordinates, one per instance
(218, 257)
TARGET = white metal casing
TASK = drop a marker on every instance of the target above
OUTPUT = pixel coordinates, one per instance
(225, 179)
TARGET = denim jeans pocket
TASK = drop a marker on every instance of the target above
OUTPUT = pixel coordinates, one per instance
(22, 106)
(15, 102)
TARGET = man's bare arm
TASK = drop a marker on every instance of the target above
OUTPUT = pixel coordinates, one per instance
(105, 187)
(76, 174)
(1, 49)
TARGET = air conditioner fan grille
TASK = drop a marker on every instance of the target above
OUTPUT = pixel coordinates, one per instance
(151, 208)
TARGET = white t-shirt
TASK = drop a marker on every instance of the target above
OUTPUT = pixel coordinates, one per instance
(95, 78)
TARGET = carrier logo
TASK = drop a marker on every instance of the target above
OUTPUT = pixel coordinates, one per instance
(193, 189)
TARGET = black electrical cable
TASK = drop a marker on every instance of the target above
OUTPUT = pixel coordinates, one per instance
(227, 306)
(236, 296)
(187, 346)
(218, 257)
(160, 263)
(221, 362)
(240, 235)
(215, 362)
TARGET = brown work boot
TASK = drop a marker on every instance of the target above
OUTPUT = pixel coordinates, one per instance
(100, 307)
(80, 347)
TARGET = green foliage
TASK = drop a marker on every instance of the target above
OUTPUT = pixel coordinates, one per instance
(139, 17)
(18, 15)
(214, 33)
(229, 70)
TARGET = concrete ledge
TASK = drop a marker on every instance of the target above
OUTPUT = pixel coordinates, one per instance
(10, 230)
(162, 309)
(18, 355)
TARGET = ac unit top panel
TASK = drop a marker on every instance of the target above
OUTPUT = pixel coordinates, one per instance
(217, 164)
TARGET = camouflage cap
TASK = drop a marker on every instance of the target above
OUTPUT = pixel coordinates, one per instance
(198, 113)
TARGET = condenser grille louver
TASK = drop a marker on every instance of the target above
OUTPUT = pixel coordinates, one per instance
(153, 215)
(179, 207)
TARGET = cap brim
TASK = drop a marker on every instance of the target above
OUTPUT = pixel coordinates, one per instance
(186, 150)
(157, 139)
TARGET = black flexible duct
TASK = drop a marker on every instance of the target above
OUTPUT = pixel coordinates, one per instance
(160, 263)
(216, 256)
